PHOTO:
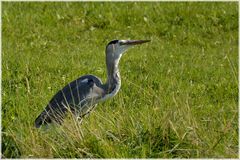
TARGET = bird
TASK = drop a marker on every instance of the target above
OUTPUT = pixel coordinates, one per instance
(81, 95)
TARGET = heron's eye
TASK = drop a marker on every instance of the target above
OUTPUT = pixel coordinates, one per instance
(121, 43)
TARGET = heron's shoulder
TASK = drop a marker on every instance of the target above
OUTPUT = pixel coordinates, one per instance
(89, 77)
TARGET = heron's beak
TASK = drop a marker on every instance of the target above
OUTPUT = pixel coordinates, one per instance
(134, 42)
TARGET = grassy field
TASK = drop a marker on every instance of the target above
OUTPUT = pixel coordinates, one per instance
(179, 94)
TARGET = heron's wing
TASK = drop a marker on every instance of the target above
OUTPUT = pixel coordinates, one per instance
(77, 95)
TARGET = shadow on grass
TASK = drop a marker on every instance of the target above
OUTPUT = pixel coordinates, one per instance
(9, 147)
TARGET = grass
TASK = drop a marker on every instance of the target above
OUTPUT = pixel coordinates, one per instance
(179, 94)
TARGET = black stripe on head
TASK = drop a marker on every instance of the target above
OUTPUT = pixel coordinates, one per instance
(113, 42)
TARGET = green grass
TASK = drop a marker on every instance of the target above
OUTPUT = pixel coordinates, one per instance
(179, 94)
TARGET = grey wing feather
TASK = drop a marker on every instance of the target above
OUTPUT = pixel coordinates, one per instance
(78, 96)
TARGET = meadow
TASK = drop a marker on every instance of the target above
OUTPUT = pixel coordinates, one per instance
(179, 93)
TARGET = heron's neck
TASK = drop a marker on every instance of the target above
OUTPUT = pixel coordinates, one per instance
(113, 80)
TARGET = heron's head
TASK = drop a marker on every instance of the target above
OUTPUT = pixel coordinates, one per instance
(116, 48)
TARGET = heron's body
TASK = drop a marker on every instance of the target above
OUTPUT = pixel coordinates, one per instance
(81, 95)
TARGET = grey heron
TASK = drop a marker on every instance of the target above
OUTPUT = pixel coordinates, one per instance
(81, 95)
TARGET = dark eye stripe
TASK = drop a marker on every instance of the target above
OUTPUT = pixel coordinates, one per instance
(113, 42)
